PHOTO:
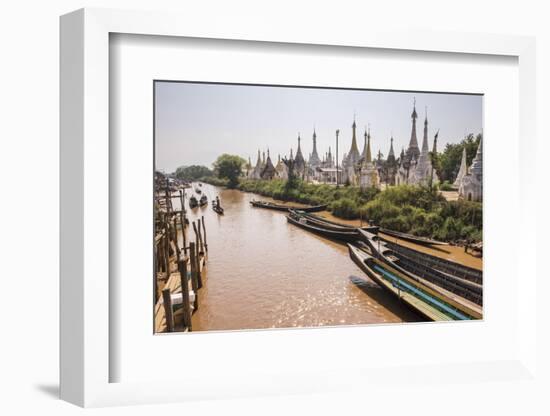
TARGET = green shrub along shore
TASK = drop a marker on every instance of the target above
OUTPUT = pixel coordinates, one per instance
(410, 209)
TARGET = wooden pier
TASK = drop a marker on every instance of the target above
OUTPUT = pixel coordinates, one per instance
(179, 271)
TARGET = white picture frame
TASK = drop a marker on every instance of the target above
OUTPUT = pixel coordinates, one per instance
(85, 212)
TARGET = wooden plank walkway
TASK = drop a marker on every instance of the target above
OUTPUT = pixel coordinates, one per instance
(174, 284)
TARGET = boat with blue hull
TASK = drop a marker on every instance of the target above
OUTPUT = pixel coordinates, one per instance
(419, 297)
(457, 280)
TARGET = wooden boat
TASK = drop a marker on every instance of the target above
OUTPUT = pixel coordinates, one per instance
(286, 208)
(347, 236)
(417, 296)
(313, 220)
(475, 248)
(323, 222)
(193, 202)
(426, 269)
(413, 238)
(446, 266)
(203, 201)
(218, 209)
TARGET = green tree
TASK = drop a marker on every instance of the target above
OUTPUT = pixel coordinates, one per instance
(449, 161)
(229, 167)
(193, 172)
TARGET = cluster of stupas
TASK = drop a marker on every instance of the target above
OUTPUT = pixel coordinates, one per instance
(413, 166)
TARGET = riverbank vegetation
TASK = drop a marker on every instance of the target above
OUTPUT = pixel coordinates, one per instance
(417, 210)
(424, 212)
(411, 209)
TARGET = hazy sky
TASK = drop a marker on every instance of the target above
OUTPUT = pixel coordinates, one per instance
(195, 123)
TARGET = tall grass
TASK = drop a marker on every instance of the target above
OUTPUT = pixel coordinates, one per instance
(420, 211)
(410, 209)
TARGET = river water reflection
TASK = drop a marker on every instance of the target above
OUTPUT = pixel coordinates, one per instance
(265, 273)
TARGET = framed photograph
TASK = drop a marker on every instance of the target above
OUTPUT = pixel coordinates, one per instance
(264, 210)
(335, 231)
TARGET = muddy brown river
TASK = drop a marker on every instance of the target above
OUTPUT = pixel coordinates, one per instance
(265, 273)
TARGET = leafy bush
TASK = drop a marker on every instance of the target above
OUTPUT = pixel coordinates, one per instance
(345, 208)
(399, 223)
(446, 186)
(410, 209)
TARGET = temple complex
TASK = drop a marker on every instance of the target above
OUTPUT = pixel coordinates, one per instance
(413, 166)
(471, 184)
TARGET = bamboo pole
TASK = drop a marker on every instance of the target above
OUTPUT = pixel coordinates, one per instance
(200, 236)
(182, 201)
(198, 258)
(182, 267)
(167, 247)
(160, 249)
(194, 281)
(182, 219)
(204, 231)
(197, 239)
(199, 273)
(167, 197)
(176, 239)
(156, 273)
(168, 313)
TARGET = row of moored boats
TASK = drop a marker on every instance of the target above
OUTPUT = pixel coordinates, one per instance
(436, 288)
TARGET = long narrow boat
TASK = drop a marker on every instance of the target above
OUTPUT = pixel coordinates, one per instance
(444, 265)
(413, 238)
(438, 263)
(193, 202)
(312, 220)
(466, 292)
(346, 236)
(286, 208)
(419, 297)
(218, 209)
(325, 223)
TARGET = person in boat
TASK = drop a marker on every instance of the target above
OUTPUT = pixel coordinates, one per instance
(217, 201)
